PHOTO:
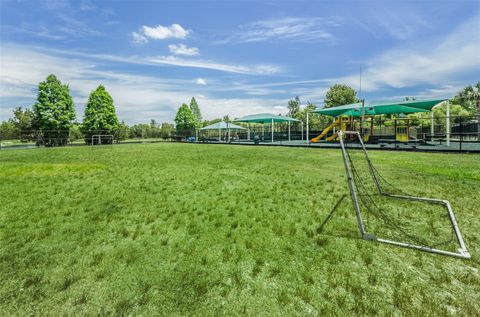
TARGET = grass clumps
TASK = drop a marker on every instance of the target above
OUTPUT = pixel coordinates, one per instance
(181, 229)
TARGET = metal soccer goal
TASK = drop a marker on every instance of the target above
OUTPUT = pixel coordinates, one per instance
(99, 139)
(374, 198)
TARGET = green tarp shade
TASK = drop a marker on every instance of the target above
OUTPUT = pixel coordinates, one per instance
(264, 118)
(373, 108)
(223, 126)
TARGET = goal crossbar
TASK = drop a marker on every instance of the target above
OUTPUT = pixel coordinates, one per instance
(100, 137)
(462, 250)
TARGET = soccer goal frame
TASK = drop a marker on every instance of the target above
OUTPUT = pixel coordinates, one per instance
(101, 137)
(462, 250)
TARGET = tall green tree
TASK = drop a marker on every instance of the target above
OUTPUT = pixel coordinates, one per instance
(100, 117)
(294, 108)
(185, 120)
(339, 95)
(24, 122)
(196, 112)
(123, 131)
(7, 130)
(166, 130)
(54, 111)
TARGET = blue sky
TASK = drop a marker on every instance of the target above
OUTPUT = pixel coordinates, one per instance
(235, 57)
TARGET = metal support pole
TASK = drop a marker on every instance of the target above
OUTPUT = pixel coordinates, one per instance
(308, 139)
(228, 129)
(302, 130)
(448, 124)
(288, 130)
(362, 122)
(432, 126)
(272, 130)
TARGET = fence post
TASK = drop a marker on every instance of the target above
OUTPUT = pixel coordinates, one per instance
(395, 130)
(448, 124)
(308, 139)
(432, 126)
(461, 132)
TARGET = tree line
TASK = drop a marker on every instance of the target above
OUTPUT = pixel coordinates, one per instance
(51, 120)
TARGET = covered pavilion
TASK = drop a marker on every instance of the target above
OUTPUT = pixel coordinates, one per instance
(267, 118)
(222, 126)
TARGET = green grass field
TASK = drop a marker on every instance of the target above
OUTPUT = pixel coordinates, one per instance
(185, 229)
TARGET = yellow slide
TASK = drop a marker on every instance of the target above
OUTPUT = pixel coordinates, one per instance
(325, 131)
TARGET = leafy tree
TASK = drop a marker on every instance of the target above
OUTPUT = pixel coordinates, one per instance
(166, 130)
(339, 95)
(24, 122)
(209, 122)
(100, 116)
(196, 112)
(185, 120)
(153, 124)
(123, 131)
(54, 111)
(76, 132)
(469, 98)
(315, 120)
(294, 108)
(140, 130)
(7, 130)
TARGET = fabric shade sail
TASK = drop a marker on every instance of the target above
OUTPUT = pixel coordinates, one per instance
(264, 118)
(223, 126)
(374, 108)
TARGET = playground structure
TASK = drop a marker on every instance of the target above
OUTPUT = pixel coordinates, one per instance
(340, 122)
(365, 191)
(344, 119)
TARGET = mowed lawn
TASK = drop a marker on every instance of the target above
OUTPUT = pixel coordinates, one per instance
(211, 230)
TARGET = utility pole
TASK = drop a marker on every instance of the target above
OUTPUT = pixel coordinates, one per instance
(362, 121)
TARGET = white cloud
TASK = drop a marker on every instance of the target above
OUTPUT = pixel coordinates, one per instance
(201, 82)
(160, 96)
(138, 38)
(161, 32)
(399, 23)
(182, 49)
(432, 63)
(239, 69)
(262, 69)
(302, 29)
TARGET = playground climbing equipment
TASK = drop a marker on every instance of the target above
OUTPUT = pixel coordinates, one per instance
(340, 122)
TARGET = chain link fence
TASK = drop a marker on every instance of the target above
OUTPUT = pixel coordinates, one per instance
(454, 133)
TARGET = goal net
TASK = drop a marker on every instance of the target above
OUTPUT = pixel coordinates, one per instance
(387, 214)
(99, 139)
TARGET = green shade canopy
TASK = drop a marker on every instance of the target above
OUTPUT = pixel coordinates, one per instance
(223, 126)
(264, 118)
(373, 108)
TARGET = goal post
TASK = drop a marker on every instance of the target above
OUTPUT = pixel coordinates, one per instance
(102, 139)
(365, 201)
